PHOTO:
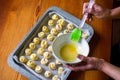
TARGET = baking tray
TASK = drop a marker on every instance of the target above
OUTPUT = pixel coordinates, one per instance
(26, 71)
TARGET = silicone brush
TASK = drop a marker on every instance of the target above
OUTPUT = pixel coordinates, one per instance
(77, 32)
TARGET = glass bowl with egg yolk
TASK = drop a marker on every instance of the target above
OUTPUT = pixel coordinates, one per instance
(66, 51)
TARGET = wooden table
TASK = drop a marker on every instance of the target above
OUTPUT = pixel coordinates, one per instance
(17, 17)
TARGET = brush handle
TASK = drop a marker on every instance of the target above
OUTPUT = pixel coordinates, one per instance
(86, 14)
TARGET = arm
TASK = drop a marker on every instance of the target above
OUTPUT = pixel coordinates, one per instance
(111, 70)
(115, 13)
(92, 63)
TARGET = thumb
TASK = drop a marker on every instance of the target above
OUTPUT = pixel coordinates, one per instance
(81, 57)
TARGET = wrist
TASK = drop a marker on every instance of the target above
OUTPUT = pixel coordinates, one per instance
(107, 13)
(100, 65)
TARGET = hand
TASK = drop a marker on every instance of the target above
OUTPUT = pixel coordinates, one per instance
(97, 11)
(88, 63)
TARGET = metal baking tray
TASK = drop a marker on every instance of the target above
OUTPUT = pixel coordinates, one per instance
(22, 68)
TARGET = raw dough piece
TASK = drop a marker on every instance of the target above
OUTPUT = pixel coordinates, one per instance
(40, 51)
(55, 17)
(38, 69)
(28, 51)
(50, 37)
(32, 46)
(23, 59)
(55, 77)
(31, 64)
(36, 40)
(44, 44)
(45, 29)
(34, 56)
(47, 74)
(41, 34)
(44, 61)
(52, 66)
(47, 55)
(54, 31)
(60, 70)
(51, 22)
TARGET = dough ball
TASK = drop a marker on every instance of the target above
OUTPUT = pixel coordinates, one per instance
(28, 51)
(59, 27)
(47, 55)
(66, 31)
(60, 70)
(51, 22)
(70, 26)
(55, 17)
(36, 40)
(52, 66)
(44, 44)
(31, 64)
(47, 74)
(55, 77)
(50, 48)
(50, 37)
(61, 22)
(38, 69)
(58, 62)
(32, 46)
(40, 51)
(41, 34)
(60, 34)
(44, 61)
(34, 56)
(23, 59)
(84, 35)
(54, 31)
(45, 29)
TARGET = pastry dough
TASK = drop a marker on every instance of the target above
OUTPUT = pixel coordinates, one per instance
(44, 61)
(34, 56)
(38, 69)
(44, 44)
(31, 64)
(51, 22)
(50, 48)
(84, 35)
(54, 31)
(52, 66)
(55, 77)
(36, 40)
(70, 26)
(28, 51)
(58, 62)
(23, 59)
(41, 34)
(47, 74)
(50, 37)
(45, 29)
(32, 46)
(66, 31)
(59, 27)
(40, 51)
(55, 17)
(61, 22)
(60, 70)
(47, 55)
(60, 34)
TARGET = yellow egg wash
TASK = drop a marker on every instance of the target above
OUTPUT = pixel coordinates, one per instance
(69, 52)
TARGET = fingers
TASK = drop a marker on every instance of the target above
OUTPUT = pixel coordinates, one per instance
(78, 68)
(89, 11)
(82, 58)
(85, 5)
